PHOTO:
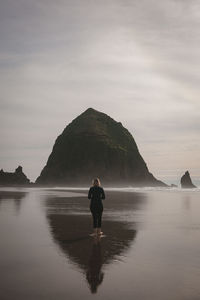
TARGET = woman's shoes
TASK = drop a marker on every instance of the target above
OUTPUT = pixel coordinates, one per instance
(93, 234)
(99, 232)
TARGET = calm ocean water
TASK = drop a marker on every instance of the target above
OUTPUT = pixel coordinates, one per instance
(151, 247)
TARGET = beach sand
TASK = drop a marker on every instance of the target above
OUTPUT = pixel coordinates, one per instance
(150, 247)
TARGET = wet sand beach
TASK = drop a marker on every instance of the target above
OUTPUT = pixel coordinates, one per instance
(150, 249)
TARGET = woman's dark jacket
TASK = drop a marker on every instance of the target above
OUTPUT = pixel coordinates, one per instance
(96, 194)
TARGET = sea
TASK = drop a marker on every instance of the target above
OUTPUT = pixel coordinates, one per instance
(149, 250)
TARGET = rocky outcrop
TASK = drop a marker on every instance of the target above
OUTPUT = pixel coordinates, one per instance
(186, 181)
(15, 178)
(173, 185)
(95, 145)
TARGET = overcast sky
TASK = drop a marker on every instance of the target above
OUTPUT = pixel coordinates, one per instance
(137, 61)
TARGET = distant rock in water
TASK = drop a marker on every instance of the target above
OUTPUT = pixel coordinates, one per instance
(15, 178)
(186, 181)
(173, 185)
(95, 145)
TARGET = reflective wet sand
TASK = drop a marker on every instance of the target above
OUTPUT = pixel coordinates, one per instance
(150, 249)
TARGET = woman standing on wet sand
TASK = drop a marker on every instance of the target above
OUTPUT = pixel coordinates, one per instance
(96, 194)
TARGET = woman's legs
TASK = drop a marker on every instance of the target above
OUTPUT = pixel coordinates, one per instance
(97, 215)
(95, 219)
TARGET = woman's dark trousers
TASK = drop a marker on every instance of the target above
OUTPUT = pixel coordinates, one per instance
(97, 215)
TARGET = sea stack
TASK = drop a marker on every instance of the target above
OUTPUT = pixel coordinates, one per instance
(95, 145)
(186, 181)
(15, 178)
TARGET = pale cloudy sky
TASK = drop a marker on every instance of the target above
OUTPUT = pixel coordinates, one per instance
(137, 61)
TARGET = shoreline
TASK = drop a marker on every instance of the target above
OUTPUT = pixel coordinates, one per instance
(107, 188)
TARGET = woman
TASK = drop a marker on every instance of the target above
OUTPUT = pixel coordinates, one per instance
(96, 194)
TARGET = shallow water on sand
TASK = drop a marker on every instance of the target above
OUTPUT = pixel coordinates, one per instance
(151, 248)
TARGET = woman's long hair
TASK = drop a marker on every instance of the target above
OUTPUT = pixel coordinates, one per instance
(96, 182)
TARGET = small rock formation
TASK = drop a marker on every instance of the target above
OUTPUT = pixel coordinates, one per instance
(173, 185)
(15, 178)
(186, 181)
(95, 145)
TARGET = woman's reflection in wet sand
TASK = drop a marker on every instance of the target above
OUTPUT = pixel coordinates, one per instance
(94, 274)
(70, 225)
(71, 233)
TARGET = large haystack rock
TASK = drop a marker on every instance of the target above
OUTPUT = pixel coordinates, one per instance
(95, 145)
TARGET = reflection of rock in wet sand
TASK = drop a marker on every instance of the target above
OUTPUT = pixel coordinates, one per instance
(71, 233)
(16, 196)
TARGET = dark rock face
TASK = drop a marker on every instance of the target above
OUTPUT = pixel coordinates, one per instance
(15, 178)
(186, 181)
(95, 145)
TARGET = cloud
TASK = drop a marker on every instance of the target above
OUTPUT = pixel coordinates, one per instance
(134, 60)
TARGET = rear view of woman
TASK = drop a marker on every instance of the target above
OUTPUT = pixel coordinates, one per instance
(96, 194)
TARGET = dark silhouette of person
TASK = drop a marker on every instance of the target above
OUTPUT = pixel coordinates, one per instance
(96, 194)
(94, 274)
